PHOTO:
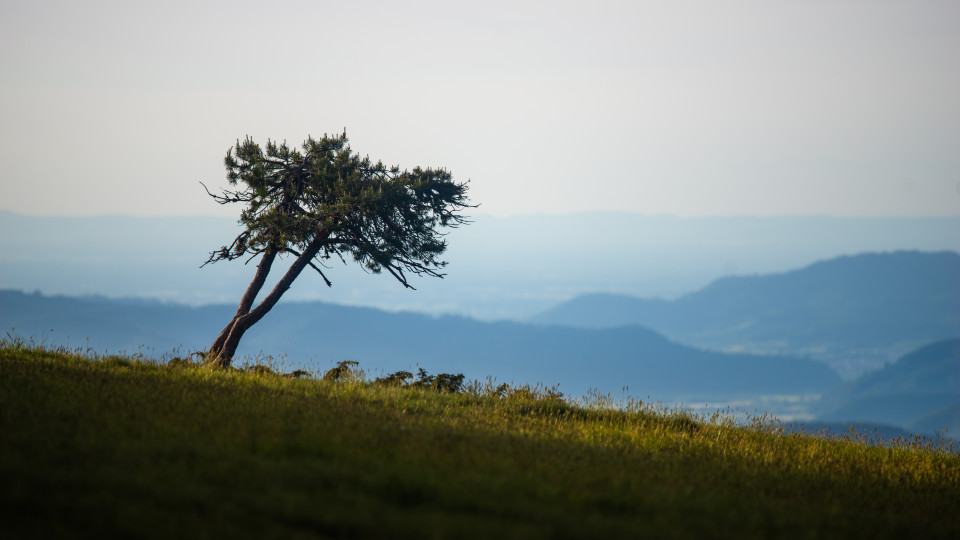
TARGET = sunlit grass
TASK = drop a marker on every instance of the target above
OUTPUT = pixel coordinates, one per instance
(123, 446)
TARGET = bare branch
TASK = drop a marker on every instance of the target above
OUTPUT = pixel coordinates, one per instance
(398, 273)
(227, 196)
(325, 280)
(297, 254)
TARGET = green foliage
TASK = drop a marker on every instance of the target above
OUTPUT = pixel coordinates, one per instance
(445, 383)
(298, 374)
(143, 449)
(398, 378)
(326, 196)
(442, 382)
(324, 202)
(260, 369)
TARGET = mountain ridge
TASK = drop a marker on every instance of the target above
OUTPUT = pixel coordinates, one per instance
(867, 308)
(920, 391)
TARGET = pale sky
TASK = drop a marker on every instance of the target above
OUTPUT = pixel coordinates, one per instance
(691, 108)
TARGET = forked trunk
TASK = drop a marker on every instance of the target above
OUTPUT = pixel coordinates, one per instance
(221, 352)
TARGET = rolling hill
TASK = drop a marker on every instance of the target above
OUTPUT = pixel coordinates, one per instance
(317, 335)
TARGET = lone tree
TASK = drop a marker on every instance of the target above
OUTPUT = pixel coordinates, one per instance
(324, 202)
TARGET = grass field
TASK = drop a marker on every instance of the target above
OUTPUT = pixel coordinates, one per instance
(113, 446)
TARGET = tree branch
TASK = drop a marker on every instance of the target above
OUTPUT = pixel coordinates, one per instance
(263, 269)
(284, 284)
(296, 254)
(399, 275)
(227, 196)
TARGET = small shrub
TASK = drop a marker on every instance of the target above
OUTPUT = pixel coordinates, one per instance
(342, 372)
(447, 383)
(260, 369)
(398, 379)
(180, 363)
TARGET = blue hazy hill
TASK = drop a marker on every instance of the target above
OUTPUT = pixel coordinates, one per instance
(919, 392)
(854, 312)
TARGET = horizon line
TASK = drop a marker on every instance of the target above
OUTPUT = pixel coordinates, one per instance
(539, 214)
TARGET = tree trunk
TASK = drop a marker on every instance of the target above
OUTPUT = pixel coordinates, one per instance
(216, 350)
(221, 352)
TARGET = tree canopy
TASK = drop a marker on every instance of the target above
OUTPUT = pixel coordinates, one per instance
(323, 201)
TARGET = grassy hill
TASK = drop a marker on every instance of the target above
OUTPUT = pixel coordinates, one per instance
(115, 446)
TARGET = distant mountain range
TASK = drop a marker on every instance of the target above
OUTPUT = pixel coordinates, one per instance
(855, 313)
(500, 268)
(316, 335)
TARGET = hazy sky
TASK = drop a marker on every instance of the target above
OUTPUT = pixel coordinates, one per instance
(677, 107)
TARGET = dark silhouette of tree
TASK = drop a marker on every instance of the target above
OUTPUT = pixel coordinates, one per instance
(323, 202)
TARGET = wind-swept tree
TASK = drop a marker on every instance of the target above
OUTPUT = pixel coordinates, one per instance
(323, 202)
